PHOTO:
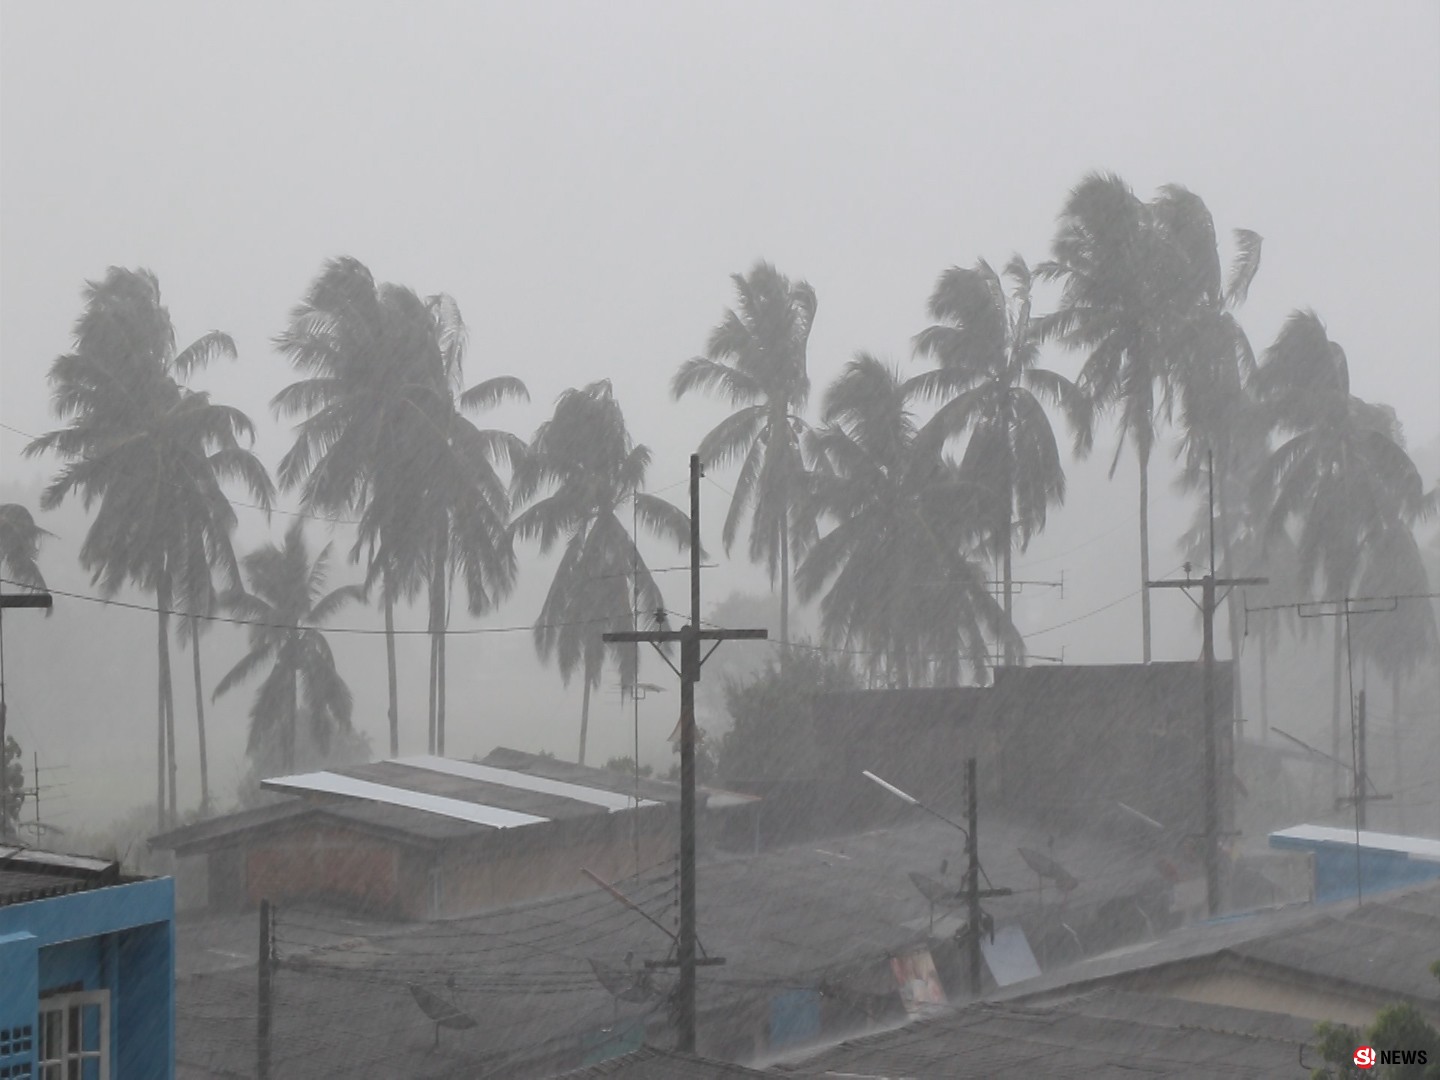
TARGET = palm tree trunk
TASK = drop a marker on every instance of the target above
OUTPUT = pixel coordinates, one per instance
(1264, 685)
(390, 665)
(584, 718)
(167, 698)
(1231, 602)
(1145, 555)
(784, 586)
(200, 716)
(160, 719)
(1335, 708)
(292, 728)
(437, 635)
(1397, 785)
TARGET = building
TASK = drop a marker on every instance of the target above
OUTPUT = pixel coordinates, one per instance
(1239, 997)
(1347, 863)
(428, 837)
(87, 969)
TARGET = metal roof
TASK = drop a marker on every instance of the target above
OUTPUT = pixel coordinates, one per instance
(1310, 836)
(609, 800)
(27, 874)
(329, 783)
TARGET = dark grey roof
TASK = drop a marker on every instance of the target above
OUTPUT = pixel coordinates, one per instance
(650, 1063)
(27, 874)
(1382, 949)
(1113, 1034)
(829, 912)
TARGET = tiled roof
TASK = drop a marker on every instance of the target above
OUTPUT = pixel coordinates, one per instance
(1104, 1035)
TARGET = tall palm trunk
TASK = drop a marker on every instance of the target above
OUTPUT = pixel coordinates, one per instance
(160, 668)
(200, 715)
(1231, 604)
(1264, 685)
(1397, 785)
(385, 584)
(168, 765)
(1145, 554)
(1007, 483)
(292, 726)
(437, 639)
(584, 718)
(1335, 707)
(784, 586)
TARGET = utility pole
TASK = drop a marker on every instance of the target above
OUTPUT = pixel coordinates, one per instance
(972, 873)
(689, 637)
(1361, 776)
(44, 601)
(1209, 604)
(265, 1001)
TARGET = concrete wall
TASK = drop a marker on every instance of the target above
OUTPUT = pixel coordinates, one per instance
(328, 863)
(119, 938)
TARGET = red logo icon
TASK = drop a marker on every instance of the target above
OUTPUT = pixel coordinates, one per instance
(1365, 1057)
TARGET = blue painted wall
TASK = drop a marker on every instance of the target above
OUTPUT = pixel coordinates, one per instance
(120, 938)
(1379, 871)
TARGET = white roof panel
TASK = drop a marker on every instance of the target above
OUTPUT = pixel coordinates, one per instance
(470, 770)
(1418, 847)
(328, 783)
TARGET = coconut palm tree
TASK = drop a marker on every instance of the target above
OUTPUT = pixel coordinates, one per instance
(153, 454)
(1340, 477)
(20, 541)
(382, 433)
(444, 509)
(755, 359)
(992, 389)
(895, 569)
(594, 473)
(1134, 276)
(286, 605)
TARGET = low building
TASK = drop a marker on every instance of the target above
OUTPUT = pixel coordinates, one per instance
(428, 837)
(87, 969)
(1348, 863)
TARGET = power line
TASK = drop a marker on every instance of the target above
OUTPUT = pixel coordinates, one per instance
(361, 630)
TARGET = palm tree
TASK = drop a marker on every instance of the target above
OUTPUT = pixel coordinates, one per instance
(153, 453)
(19, 551)
(988, 349)
(383, 432)
(755, 359)
(1134, 277)
(594, 473)
(286, 605)
(895, 569)
(1340, 476)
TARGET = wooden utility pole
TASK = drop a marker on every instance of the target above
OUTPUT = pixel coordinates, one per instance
(41, 600)
(689, 637)
(265, 1001)
(1209, 603)
(972, 873)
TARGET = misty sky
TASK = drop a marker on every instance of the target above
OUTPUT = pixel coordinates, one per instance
(584, 178)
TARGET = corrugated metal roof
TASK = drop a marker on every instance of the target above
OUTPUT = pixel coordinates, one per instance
(1307, 836)
(329, 783)
(609, 800)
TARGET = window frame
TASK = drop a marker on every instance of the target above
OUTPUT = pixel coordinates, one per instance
(63, 1004)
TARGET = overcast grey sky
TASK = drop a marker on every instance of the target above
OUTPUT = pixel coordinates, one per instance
(583, 178)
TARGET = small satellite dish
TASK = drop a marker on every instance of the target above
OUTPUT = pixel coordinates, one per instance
(625, 985)
(1047, 868)
(938, 894)
(443, 1013)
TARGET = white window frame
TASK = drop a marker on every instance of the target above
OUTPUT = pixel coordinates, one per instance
(56, 1061)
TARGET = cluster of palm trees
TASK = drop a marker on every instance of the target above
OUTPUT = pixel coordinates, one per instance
(891, 506)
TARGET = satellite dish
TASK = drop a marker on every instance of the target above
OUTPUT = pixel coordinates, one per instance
(1047, 868)
(625, 985)
(443, 1013)
(937, 893)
